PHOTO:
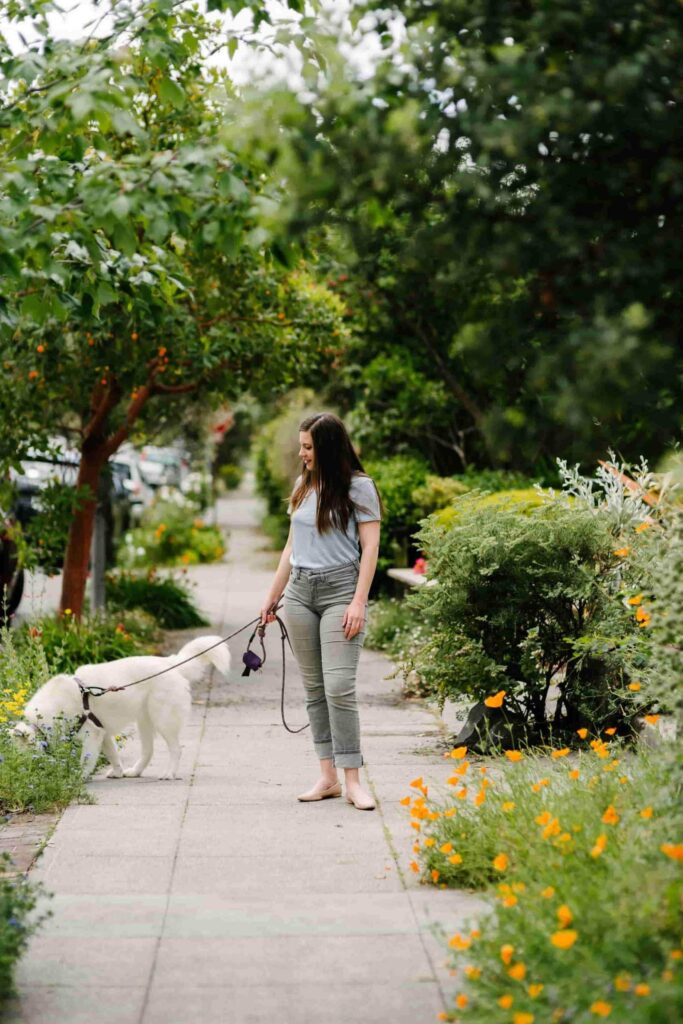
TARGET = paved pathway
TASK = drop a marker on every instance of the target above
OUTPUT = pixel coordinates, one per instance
(219, 899)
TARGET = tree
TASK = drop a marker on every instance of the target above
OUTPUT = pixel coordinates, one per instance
(508, 183)
(133, 270)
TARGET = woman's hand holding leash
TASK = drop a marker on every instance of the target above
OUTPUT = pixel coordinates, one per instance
(268, 612)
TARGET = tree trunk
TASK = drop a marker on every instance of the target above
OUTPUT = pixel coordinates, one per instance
(77, 556)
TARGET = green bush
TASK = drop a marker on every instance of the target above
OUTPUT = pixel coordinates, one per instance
(230, 475)
(397, 479)
(65, 643)
(436, 493)
(529, 598)
(581, 864)
(18, 899)
(393, 626)
(171, 534)
(168, 599)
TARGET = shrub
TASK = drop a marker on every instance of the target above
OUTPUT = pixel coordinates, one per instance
(397, 479)
(439, 492)
(168, 599)
(391, 625)
(18, 899)
(230, 475)
(64, 643)
(581, 863)
(527, 600)
(171, 533)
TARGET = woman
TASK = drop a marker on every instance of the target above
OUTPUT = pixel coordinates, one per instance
(334, 507)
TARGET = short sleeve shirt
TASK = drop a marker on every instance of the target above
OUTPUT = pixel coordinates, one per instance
(314, 550)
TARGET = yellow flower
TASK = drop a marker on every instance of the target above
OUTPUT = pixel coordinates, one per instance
(509, 805)
(646, 812)
(600, 1008)
(610, 817)
(446, 848)
(514, 755)
(600, 844)
(472, 972)
(535, 990)
(622, 982)
(582, 733)
(548, 892)
(495, 701)
(560, 753)
(506, 952)
(458, 753)
(522, 1017)
(564, 915)
(565, 938)
(501, 862)
(673, 850)
(505, 1002)
(455, 859)
(67, 611)
(517, 972)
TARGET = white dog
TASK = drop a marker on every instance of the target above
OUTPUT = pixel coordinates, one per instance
(159, 705)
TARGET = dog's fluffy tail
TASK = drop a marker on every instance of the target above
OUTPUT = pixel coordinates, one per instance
(218, 656)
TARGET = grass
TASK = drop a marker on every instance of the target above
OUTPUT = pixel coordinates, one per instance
(580, 861)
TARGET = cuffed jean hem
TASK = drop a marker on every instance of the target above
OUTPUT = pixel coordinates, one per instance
(348, 760)
(324, 751)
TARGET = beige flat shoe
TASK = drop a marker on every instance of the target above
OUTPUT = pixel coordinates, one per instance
(361, 804)
(321, 794)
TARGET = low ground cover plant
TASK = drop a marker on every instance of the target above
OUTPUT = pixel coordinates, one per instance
(580, 856)
(168, 598)
(18, 899)
(171, 533)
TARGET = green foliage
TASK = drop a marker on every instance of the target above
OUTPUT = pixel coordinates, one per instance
(393, 626)
(528, 598)
(168, 599)
(171, 533)
(63, 643)
(397, 479)
(18, 922)
(523, 501)
(230, 475)
(436, 493)
(43, 541)
(43, 778)
(511, 253)
(583, 858)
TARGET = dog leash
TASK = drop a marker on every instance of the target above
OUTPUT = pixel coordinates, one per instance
(251, 660)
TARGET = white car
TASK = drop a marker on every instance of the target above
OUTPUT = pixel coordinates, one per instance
(126, 464)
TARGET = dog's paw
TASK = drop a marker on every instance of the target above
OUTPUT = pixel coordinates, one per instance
(168, 777)
(114, 773)
(131, 773)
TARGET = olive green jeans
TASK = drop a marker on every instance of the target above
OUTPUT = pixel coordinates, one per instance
(314, 604)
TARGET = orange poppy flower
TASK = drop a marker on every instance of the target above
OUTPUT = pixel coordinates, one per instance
(496, 700)
(455, 858)
(560, 753)
(600, 844)
(634, 686)
(514, 755)
(651, 719)
(548, 892)
(458, 753)
(564, 915)
(582, 733)
(517, 972)
(565, 938)
(646, 812)
(600, 1008)
(535, 990)
(673, 850)
(505, 1002)
(506, 952)
(610, 817)
(501, 862)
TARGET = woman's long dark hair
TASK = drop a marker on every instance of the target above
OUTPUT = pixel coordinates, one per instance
(335, 464)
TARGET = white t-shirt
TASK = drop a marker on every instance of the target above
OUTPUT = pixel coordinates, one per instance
(314, 550)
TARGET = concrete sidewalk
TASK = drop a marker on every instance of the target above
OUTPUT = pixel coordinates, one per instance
(219, 899)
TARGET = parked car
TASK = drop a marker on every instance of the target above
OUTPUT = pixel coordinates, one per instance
(11, 573)
(125, 464)
(163, 467)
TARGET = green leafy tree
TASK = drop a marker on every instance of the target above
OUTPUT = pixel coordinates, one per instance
(508, 185)
(133, 270)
